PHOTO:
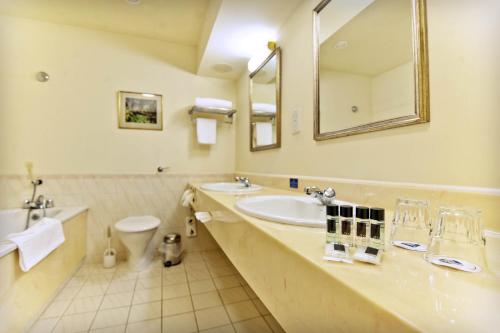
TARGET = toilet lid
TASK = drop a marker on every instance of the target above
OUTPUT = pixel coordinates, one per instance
(137, 223)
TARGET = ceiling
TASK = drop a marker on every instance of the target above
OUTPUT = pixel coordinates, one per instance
(379, 38)
(226, 33)
(158, 19)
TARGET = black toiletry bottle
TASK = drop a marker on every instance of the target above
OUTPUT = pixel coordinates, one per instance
(346, 225)
(332, 224)
(377, 228)
(362, 226)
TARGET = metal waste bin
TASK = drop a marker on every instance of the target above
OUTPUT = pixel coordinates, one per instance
(172, 249)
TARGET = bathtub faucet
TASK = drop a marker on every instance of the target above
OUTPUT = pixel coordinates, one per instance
(39, 203)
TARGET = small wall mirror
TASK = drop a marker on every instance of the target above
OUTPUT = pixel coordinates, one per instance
(265, 104)
(371, 70)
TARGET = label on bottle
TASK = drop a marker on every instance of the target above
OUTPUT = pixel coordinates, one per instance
(346, 227)
(361, 229)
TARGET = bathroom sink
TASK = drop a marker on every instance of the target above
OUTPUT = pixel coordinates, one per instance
(235, 188)
(288, 209)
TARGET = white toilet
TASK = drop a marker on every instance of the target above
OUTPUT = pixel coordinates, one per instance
(136, 233)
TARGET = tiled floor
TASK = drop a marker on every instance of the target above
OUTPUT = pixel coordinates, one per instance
(203, 294)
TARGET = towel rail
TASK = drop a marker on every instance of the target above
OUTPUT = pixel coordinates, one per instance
(216, 113)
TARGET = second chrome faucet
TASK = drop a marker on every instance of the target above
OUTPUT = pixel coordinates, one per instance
(325, 196)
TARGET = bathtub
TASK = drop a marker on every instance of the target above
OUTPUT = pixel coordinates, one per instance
(14, 220)
(24, 295)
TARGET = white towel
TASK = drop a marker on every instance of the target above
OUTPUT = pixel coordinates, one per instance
(37, 242)
(213, 103)
(263, 108)
(264, 134)
(206, 130)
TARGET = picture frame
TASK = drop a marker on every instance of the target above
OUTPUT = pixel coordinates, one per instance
(140, 111)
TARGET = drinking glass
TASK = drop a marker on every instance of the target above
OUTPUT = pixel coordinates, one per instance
(411, 225)
(457, 240)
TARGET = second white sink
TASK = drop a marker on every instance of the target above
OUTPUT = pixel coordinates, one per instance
(234, 188)
(288, 209)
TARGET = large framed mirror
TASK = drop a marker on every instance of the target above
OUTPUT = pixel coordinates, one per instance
(265, 104)
(370, 66)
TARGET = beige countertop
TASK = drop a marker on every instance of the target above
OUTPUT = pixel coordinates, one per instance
(426, 297)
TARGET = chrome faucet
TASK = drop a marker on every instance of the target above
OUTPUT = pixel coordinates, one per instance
(244, 180)
(39, 203)
(325, 196)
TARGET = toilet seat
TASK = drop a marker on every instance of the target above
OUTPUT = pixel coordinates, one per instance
(137, 223)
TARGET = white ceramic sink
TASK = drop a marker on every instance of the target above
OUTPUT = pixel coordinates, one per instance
(288, 209)
(234, 188)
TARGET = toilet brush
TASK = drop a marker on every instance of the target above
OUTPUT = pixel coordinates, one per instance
(109, 258)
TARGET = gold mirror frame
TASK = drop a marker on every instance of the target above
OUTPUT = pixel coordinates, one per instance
(276, 52)
(421, 73)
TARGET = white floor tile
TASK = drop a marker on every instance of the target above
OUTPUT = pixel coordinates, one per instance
(74, 323)
(202, 286)
(182, 323)
(255, 325)
(221, 329)
(174, 278)
(117, 287)
(176, 290)
(146, 311)
(113, 329)
(149, 282)
(147, 296)
(232, 295)
(116, 300)
(175, 306)
(212, 317)
(44, 325)
(242, 311)
(85, 304)
(148, 326)
(55, 309)
(227, 282)
(206, 300)
(111, 317)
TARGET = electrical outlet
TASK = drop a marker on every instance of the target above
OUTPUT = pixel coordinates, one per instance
(191, 226)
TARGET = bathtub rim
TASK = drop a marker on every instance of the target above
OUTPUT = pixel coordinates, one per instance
(67, 213)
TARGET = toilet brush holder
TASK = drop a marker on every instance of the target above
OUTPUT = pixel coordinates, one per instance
(109, 258)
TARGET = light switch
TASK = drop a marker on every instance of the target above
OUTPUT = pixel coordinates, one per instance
(295, 121)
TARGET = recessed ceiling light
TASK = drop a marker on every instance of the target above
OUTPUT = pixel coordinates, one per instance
(133, 2)
(341, 44)
(222, 68)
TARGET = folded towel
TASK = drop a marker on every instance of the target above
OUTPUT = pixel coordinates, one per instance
(213, 103)
(263, 107)
(37, 242)
(264, 134)
(206, 130)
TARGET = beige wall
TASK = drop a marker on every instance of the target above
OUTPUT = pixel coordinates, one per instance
(460, 146)
(69, 124)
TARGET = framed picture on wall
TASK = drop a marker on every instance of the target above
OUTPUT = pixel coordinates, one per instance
(140, 110)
